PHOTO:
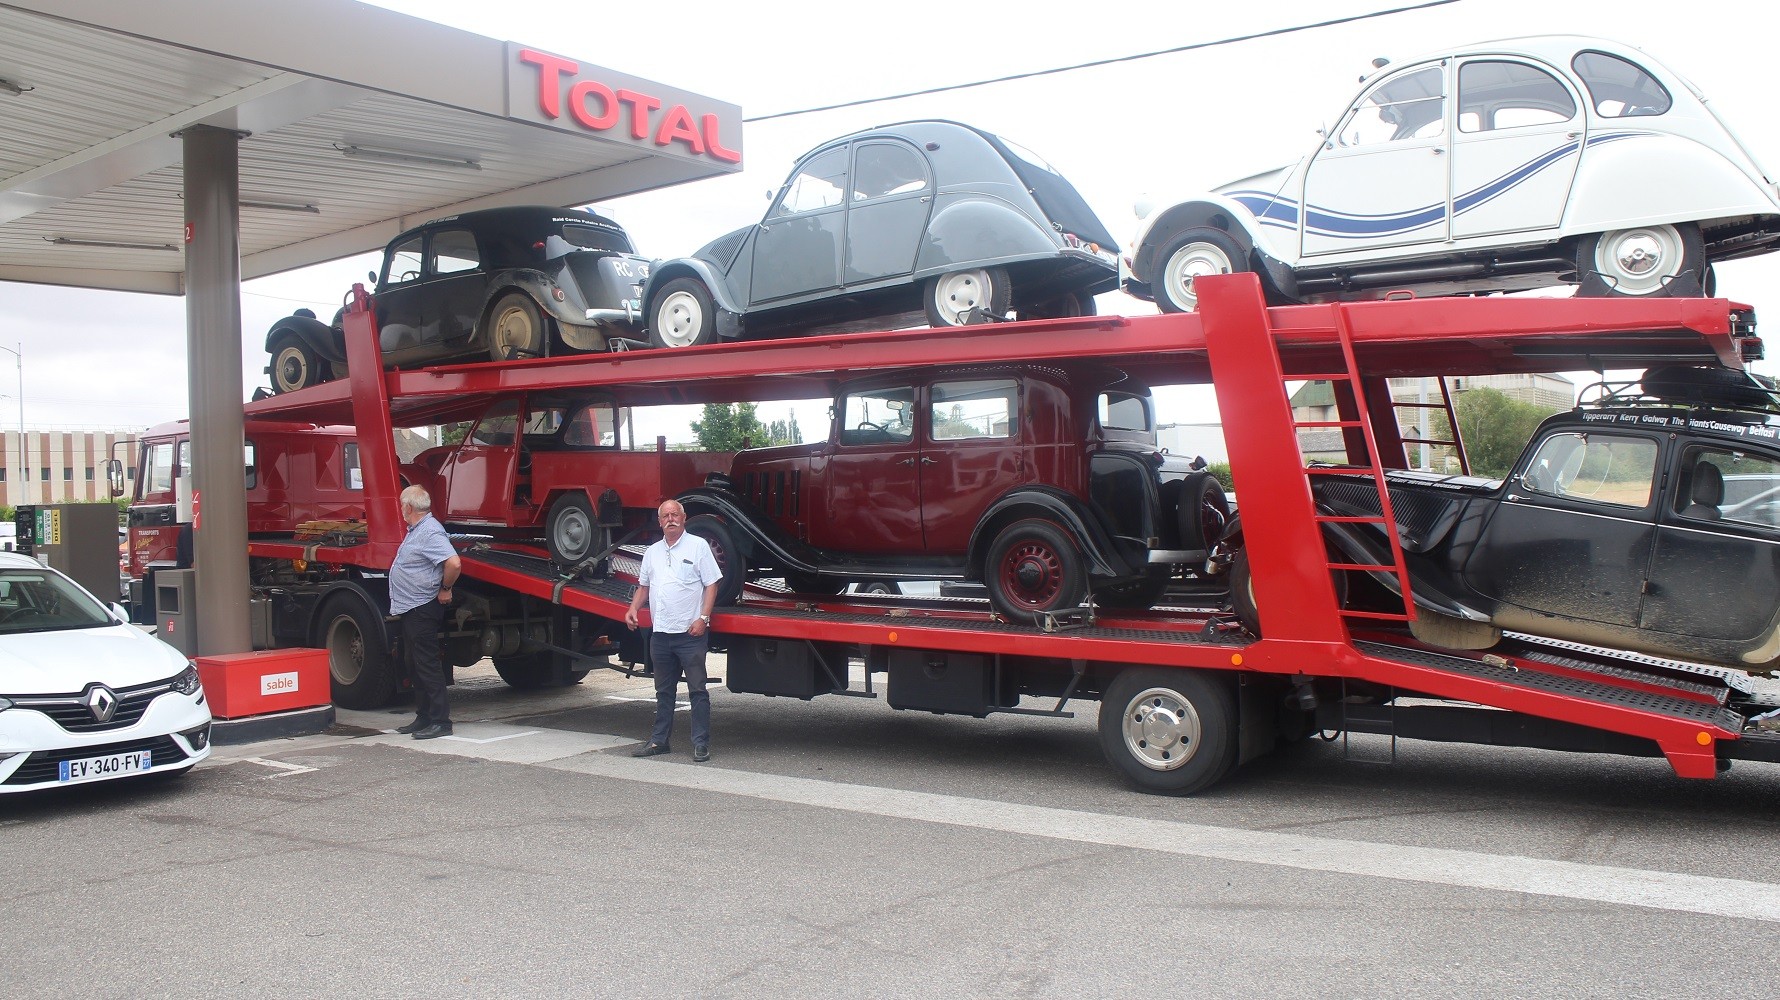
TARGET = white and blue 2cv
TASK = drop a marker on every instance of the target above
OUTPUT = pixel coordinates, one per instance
(1499, 166)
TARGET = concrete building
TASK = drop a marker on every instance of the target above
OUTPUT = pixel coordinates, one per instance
(58, 466)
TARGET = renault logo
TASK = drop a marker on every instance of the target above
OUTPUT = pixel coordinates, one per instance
(101, 702)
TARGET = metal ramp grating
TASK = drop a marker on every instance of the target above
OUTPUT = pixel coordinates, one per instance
(1573, 687)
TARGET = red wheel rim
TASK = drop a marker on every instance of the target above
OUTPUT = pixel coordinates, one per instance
(1032, 575)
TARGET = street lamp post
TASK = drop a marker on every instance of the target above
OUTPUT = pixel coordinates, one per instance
(24, 471)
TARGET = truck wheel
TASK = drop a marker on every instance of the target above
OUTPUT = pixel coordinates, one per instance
(1171, 732)
(295, 365)
(364, 673)
(1653, 261)
(1188, 257)
(955, 299)
(1034, 567)
(570, 531)
(721, 538)
(531, 671)
(516, 329)
(682, 315)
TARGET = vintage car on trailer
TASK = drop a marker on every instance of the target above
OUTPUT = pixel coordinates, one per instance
(518, 282)
(924, 221)
(561, 464)
(1644, 520)
(1044, 482)
(1491, 167)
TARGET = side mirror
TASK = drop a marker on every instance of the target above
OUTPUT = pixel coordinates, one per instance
(371, 276)
(118, 611)
(114, 477)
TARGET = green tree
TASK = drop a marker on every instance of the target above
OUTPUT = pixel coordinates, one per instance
(727, 425)
(1495, 429)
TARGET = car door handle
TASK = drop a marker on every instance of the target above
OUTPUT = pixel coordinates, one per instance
(924, 461)
(1437, 150)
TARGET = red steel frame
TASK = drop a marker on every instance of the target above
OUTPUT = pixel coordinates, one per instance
(1252, 349)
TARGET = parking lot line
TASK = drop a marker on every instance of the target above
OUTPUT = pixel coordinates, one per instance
(1434, 866)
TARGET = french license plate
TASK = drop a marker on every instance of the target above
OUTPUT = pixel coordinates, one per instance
(109, 766)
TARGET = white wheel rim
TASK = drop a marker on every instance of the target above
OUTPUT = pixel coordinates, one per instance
(958, 293)
(1639, 261)
(1189, 263)
(679, 319)
(1161, 729)
(292, 368)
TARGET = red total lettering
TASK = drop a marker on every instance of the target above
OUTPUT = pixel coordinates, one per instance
(715, 144)
(640, 106)
(550, 71)
(676, 126)
(583, 113)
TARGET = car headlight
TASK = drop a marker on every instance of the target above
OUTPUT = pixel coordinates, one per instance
(187, 681)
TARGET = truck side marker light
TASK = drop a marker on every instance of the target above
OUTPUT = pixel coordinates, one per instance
(892, 637)
(1703, 738)
(1236, 659)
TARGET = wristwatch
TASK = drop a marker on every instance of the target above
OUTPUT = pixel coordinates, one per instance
(705, 618)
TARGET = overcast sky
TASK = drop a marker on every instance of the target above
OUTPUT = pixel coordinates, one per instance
(1168, 126)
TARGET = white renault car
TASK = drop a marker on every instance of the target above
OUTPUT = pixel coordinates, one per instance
(1500, 166)
(85, 695)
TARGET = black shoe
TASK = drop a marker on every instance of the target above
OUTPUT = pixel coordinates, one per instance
(413, 727)
(433, 731)
(650, 750)
(701, 753)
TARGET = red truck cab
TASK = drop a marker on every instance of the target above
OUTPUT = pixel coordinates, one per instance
(296, 472)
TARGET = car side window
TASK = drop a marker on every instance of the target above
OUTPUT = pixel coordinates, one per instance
(160, 469)
(818, 185)
(253, 466)
(1724, 485)
(885, 168)
(1408, 106)
(404, 261)
(355, 479)
(498, 425)
(976, 409)
(878, 416)
(1594, 468)
(593, 426)
(454, 252)
(1620, 88)
(1497, 94)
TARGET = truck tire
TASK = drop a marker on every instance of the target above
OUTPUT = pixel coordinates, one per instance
(1034, 567)
(1169, 732)
(1138, 595)
(364, 674)
(531, 671)
(721, 538)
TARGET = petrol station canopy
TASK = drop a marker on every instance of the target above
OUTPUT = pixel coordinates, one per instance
(357, 123)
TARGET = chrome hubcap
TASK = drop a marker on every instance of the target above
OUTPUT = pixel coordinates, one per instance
(1639, 261)
(1161, 729)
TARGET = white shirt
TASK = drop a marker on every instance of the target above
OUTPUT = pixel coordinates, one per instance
(677, 578)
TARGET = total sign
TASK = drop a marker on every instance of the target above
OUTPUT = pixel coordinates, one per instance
(575, 97)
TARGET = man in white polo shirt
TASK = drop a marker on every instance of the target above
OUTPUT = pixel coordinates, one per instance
(679, 579)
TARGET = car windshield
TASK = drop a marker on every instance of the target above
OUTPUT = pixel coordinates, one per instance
(45, 601)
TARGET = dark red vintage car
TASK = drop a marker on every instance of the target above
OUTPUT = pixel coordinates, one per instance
(1045, 482)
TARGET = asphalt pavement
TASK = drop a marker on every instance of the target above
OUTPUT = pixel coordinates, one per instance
(839, 848)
